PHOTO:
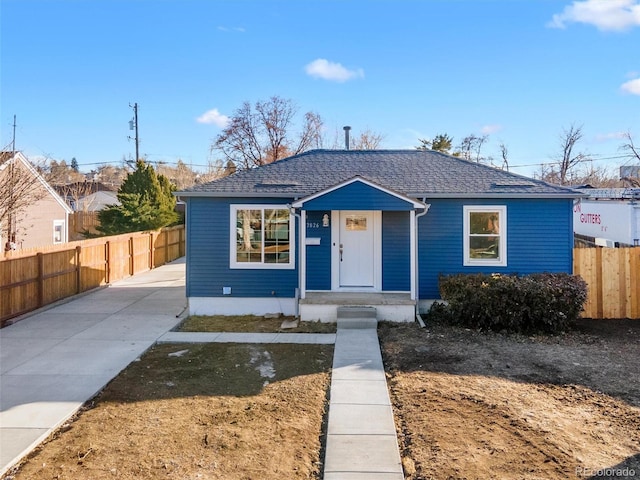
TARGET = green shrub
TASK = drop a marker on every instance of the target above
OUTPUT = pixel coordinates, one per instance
(542, 302)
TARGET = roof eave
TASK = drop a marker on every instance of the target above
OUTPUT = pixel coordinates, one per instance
(238, 194)
(495, 195)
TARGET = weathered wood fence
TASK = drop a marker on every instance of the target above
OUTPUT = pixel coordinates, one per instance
(32, 279)
(613, 276)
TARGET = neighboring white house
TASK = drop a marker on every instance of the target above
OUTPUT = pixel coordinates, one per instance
(609, 215)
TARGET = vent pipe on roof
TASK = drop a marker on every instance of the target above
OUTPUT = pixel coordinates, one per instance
(346, 137)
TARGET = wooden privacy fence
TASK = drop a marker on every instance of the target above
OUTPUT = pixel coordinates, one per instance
(32, 279)
(613, 276)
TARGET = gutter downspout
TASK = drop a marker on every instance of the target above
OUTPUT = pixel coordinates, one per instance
(417, 279)
(297, 292)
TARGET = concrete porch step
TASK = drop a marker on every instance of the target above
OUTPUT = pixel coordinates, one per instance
(357, 317)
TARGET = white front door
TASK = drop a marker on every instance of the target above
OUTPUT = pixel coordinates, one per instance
(357, 257)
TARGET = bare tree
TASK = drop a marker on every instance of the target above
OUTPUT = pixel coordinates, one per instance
(568, 159)
(471, 146)
(504, 154)
(629, 147)
(60, 173)
(112, 175)
(367, 140)
(20, 187)
(182, 176)
(263, 133)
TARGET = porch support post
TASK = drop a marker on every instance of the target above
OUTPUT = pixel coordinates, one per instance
(303, 254)
(413, 251)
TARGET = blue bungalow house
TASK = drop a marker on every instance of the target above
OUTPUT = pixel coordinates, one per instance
(326, 228)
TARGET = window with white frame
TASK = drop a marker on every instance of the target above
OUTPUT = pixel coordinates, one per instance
(485, 235)
(58, 231)
(261, 237)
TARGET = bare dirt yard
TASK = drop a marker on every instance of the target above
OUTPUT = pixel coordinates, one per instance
(206, 411)
(468, 405)
(473, 405)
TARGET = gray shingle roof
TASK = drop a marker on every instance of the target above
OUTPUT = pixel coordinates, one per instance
(414, 173)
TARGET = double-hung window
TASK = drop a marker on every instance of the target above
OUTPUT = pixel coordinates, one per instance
(485, 235)
(261, 237)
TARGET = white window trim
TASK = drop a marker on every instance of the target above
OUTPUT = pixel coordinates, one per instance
(234, 264)
(466, 229)
(59, 223)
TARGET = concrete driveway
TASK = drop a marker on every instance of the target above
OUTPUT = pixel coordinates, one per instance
(55, 359)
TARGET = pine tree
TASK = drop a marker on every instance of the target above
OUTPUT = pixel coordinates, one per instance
(146, 203)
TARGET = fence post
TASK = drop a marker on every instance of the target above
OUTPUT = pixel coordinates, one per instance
(40, 257)
(78, 269)
(131, 257)
(107, 266)
(151, 253)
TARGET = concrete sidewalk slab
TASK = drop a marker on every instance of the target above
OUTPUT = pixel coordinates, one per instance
(129, 325)
(79, 357)
(363, 455)
(220, 337)
(365, 392)
(311, 338)
(360, 419)
(16, 351)
(23, 392)
(189, 337)
(60, 325)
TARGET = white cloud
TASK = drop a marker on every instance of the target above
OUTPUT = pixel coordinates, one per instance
(489, 129)
(222, 28)
(321, 68)
(632, 87)
(213, 117)
(605, 137)
(614, 15)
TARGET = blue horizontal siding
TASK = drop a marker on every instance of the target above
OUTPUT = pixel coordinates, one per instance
(396, 257)
(318, 275)
(357, 196)
(539, 239)
(208, 255)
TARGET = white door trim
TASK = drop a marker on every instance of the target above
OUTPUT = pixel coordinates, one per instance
(335, 254)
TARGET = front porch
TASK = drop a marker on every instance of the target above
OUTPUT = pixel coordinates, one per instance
(323, 306)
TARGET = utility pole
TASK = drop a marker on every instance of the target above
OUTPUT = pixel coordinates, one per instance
(133, 125)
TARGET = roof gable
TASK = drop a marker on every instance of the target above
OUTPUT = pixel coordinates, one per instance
(19, 157)
(357, 194)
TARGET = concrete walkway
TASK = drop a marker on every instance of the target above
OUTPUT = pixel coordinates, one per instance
(361, 434)
(56, 359)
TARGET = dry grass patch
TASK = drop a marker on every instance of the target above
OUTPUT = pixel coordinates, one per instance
(215, 411)
(250, 323)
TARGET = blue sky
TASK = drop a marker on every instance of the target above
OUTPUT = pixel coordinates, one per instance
(518, 70)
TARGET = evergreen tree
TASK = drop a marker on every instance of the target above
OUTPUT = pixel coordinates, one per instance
(146, 203)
